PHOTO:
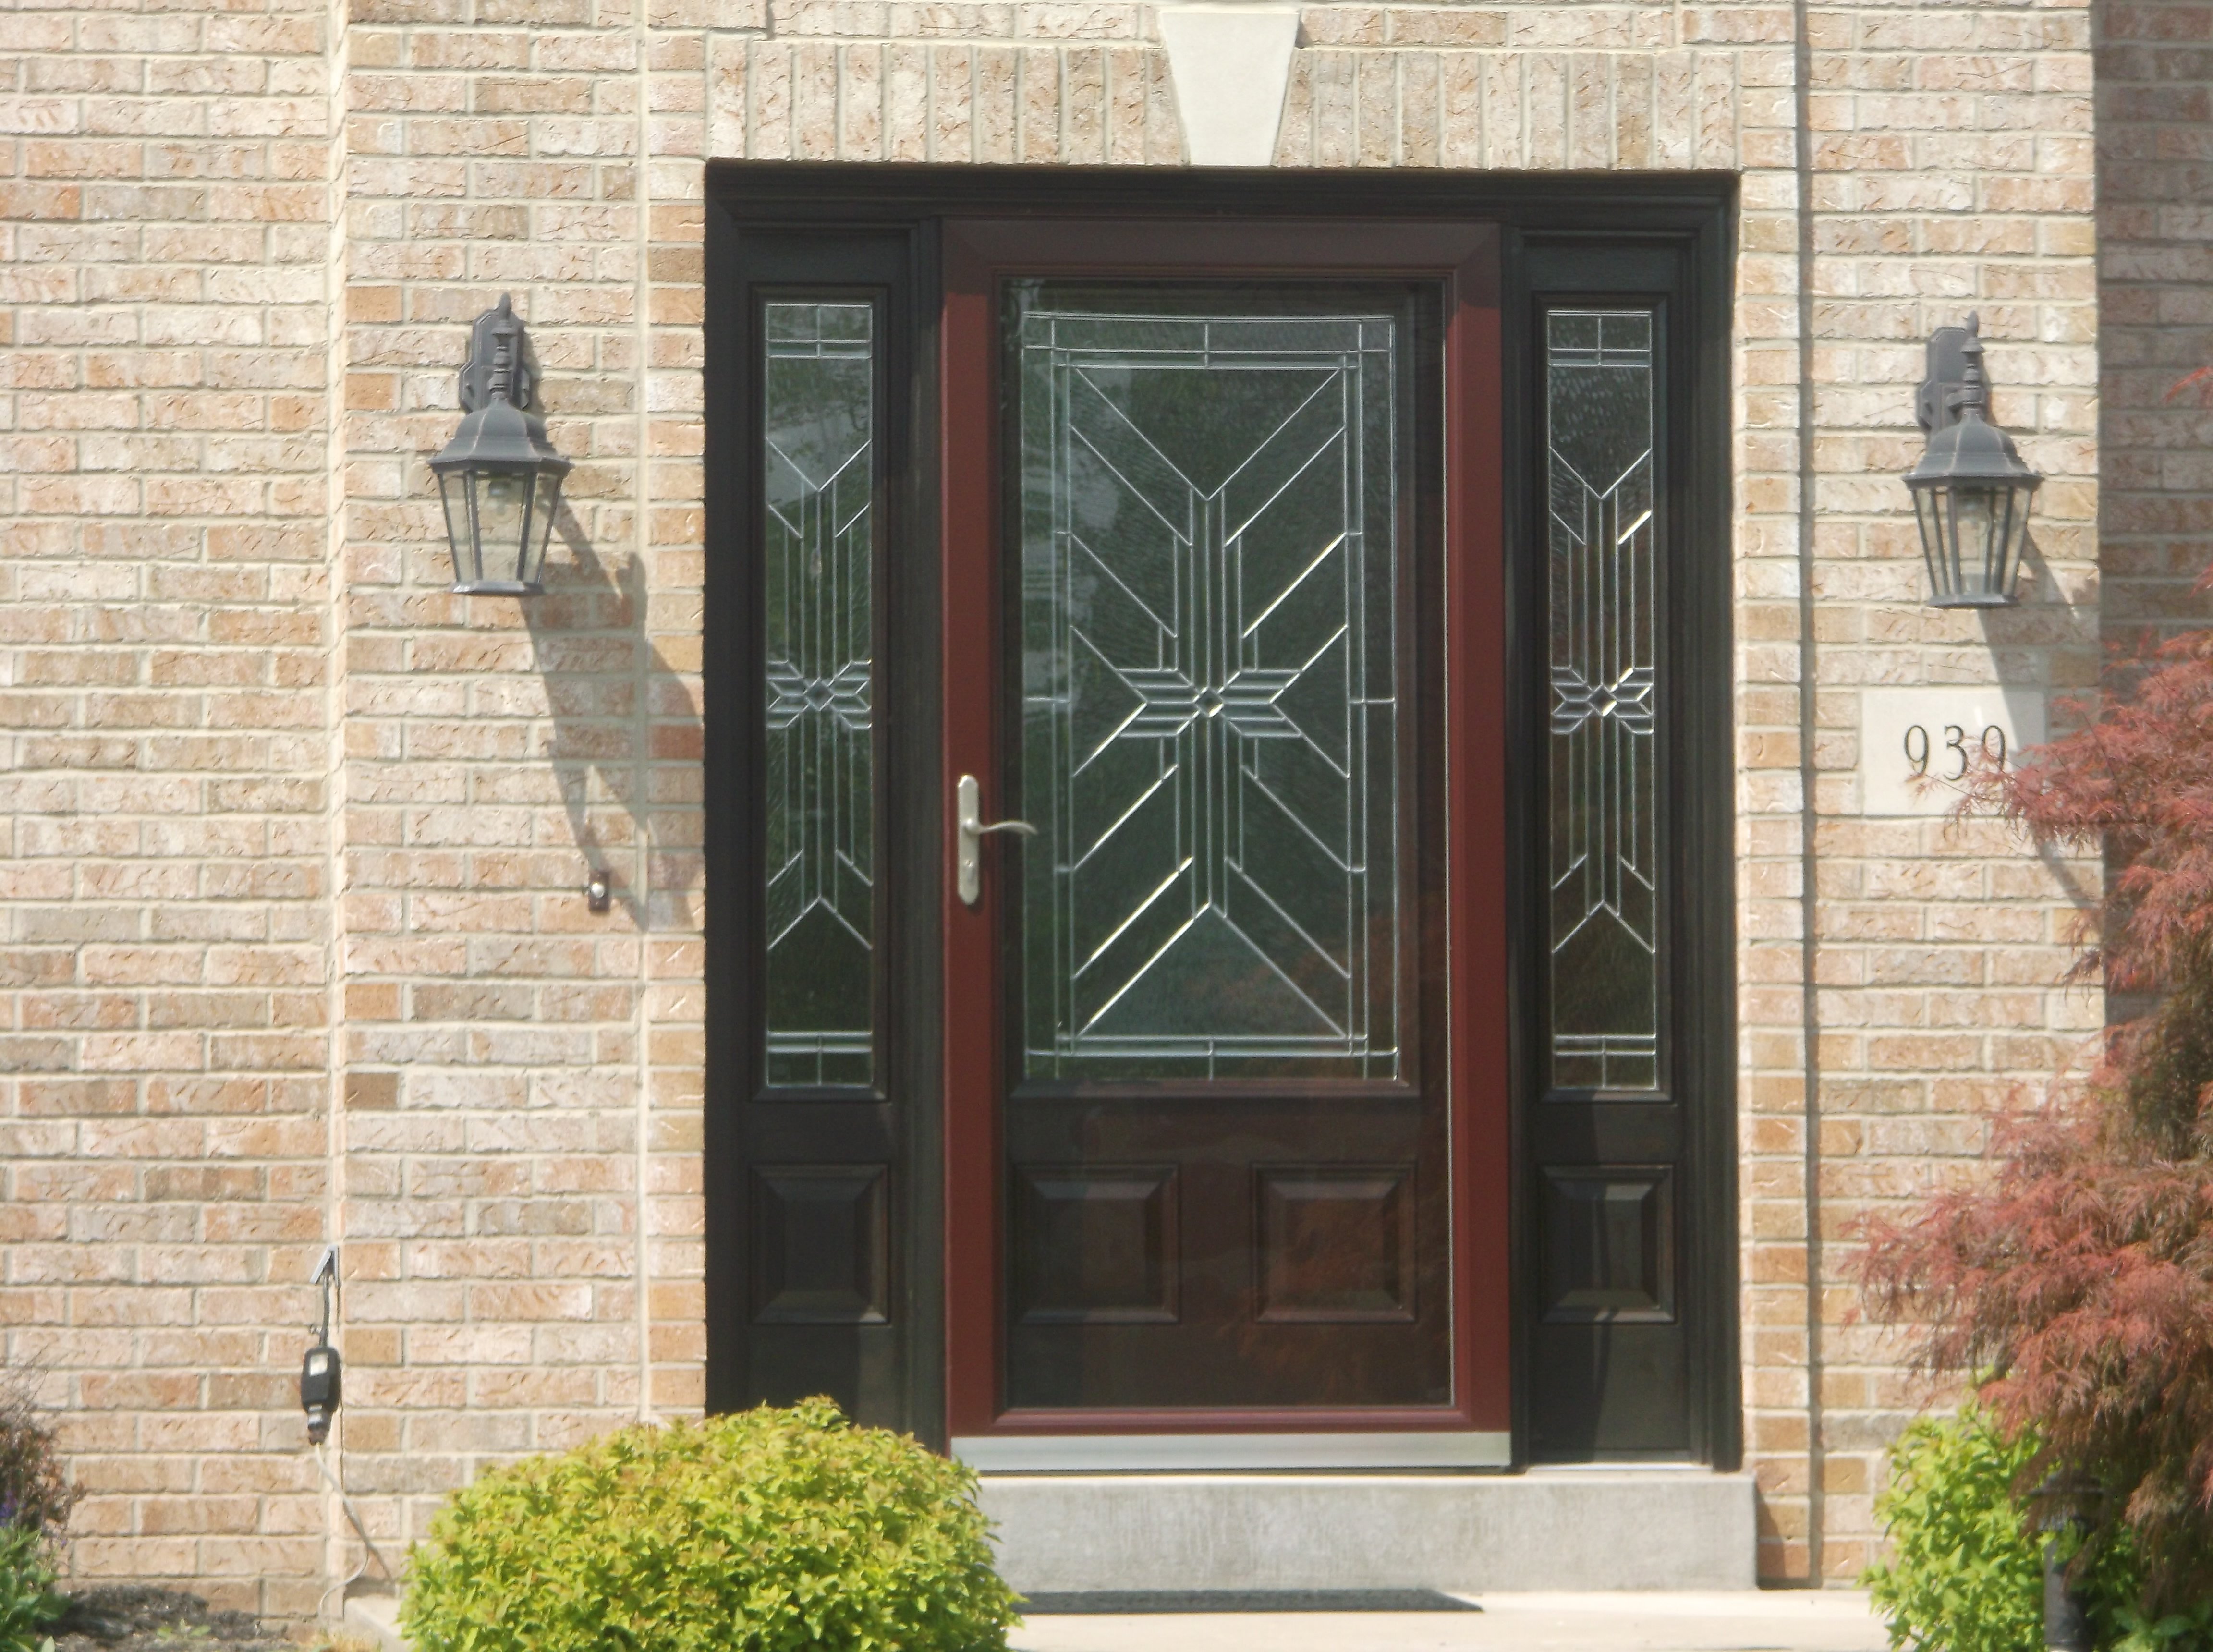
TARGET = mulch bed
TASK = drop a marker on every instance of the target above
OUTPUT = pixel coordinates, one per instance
(138, 1617)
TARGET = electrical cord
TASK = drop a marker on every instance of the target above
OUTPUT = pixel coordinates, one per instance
(368, 1543)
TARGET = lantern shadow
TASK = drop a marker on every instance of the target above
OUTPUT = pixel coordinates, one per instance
(2018, 637)
(2041, 578)
(622, 717)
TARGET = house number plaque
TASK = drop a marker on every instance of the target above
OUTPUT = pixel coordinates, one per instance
(1917, 744)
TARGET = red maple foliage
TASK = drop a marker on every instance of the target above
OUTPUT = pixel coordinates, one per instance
(2078, 1282)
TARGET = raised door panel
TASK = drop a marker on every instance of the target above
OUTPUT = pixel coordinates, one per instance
(821, 1244)
(1337, 1243)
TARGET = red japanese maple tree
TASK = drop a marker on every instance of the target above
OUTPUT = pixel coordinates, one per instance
(2078, 1280)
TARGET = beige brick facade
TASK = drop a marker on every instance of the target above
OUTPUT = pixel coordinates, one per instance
(293, 839)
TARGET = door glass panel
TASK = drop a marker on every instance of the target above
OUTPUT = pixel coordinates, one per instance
(1605, 978)
(817, 379)
(1210, 682)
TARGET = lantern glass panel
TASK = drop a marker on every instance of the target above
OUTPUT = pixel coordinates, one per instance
(1973, 520)
(544, 503)
(1971, 533)
(2010, 523)
(460, 532)
(501, 497)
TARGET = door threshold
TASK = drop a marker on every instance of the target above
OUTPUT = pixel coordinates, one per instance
(1048, 1453)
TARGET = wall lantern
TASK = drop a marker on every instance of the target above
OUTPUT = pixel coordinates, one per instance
(499, 477)
(1971, 490)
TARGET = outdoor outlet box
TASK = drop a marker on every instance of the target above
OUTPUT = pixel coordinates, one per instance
(318, 1389)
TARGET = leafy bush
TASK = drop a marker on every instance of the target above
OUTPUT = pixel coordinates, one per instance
(27, 1600)
(766, 1531)
(33, 1491)
(2080, 1276)
(34, 1501)
(1966, 1572)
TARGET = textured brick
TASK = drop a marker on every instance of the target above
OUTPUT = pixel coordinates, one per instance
(288, 830)
(188, 363)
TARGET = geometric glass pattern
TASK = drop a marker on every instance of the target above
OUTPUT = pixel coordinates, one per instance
(817, 425)
(1209, 579)
(1604, 626)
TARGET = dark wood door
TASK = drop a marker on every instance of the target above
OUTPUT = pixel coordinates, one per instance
(1225, 1060)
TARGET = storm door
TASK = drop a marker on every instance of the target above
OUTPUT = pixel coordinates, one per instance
(1226, 1112)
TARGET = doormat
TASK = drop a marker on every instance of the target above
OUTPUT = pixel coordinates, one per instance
(1049, 1603)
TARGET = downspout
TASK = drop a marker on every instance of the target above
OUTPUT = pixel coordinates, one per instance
(642, 665)
(1809, 820)
(336, 61)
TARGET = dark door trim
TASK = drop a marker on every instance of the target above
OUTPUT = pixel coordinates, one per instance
(885, 1365)
(1690, 1136)
(1688, 217)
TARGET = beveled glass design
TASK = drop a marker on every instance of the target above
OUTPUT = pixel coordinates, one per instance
(1605, 614)
(818, 605)
(1209, 684)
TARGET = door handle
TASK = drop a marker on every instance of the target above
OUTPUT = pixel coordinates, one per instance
(968, 834)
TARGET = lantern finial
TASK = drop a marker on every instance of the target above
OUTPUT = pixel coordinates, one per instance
(504, 331)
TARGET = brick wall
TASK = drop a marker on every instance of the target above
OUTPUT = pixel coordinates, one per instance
(519, 1068)
(513, 1147)
(2156, 294)
(166, 260)
(1952, 169)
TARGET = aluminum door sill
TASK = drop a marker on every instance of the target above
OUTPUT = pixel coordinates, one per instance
(1198, 1453)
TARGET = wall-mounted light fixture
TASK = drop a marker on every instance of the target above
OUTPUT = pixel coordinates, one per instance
(500, 478)
(1971, 489)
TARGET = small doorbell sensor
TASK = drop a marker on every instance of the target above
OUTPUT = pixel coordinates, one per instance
(597, 894)
(320, 1367)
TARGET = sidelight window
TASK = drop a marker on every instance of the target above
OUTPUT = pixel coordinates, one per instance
(1605, 600)
(818, 487)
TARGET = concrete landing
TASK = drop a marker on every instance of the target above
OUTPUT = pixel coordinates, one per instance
(1750, 1620)
(1564, 1530)
(1743, 1620)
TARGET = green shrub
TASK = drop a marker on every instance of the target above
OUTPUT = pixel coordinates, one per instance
(766, 1531)
(27, 1600)
(33, 1491)
(1964, 1575)
(1967, 1572)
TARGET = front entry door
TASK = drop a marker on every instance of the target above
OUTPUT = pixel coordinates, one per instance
(1225, 1056)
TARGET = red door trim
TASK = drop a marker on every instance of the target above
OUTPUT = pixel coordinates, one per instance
(1466, 257)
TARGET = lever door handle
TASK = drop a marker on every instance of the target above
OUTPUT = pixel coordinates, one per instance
(968, 834)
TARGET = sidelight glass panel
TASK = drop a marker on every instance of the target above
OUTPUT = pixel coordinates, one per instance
(818, 483)
(1210, 681)
(1604, 869)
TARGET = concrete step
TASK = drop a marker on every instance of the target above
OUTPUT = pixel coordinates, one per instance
(374, 1618)
(1559, 1531)
(1742, 1620)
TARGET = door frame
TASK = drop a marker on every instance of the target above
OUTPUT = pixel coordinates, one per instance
(1691, 216)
